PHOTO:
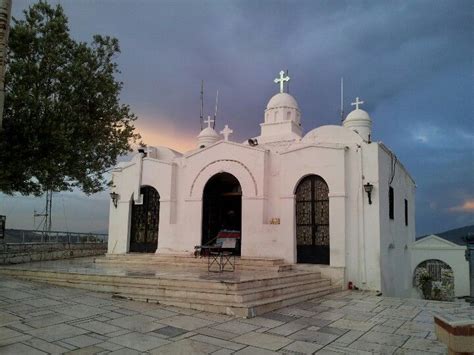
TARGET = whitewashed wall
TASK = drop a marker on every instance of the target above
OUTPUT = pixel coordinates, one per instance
(433, 247)
(395, 236)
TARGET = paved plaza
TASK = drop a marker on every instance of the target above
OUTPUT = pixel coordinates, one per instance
(37, 318)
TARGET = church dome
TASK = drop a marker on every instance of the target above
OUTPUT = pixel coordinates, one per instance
(282, 99)
(357, 114)
(359, 121)
(207, 137)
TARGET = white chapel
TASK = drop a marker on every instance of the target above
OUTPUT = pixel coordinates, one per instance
(330, 198)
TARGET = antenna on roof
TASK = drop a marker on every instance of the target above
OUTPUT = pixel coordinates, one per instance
(342, 99)
(202, 103)
(215, 112)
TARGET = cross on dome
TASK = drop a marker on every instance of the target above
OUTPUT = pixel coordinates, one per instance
(357, 103)
(226, 132)
(281, 80)
(209, 121)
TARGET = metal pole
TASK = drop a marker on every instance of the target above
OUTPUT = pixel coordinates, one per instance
(470, 259)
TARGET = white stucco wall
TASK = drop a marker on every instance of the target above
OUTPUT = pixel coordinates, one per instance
(395, 236)
(433, 247)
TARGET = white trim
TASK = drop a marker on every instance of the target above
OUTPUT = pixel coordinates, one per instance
(449, 245)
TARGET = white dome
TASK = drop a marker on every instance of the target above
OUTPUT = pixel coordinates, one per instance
(207, 137)
(357, 114)
(359, 121)
(282, 100)
(331, 134)
(208, 132)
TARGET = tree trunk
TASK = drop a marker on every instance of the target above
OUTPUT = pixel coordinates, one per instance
(5, 13)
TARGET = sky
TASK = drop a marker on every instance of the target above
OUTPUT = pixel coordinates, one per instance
(410, 61)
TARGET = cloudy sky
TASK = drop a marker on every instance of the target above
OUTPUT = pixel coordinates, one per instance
(410, 61)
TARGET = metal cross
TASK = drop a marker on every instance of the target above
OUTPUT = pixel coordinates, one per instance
(226, 132)
(282, 79)
(357, 103)
(209, 121)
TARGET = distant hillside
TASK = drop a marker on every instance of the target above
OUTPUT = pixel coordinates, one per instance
(455, 235)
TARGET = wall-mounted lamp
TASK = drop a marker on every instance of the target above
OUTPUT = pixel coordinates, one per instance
(252, 142)
(368, 188)
(115, 197)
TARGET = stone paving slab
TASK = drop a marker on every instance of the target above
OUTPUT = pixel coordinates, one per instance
(38, 318)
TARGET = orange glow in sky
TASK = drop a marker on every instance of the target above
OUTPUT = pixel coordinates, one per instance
(166, 135)
(467, 206)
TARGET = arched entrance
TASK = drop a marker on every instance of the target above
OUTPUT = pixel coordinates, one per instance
(312, 221)
(221, 207)
(435, 280)
(145, 222)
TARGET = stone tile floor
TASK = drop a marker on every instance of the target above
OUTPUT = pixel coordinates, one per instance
(37, 318)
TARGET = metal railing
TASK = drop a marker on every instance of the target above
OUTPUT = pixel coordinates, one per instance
(24, 236)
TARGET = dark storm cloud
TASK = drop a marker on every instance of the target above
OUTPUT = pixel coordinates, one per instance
(411, 61)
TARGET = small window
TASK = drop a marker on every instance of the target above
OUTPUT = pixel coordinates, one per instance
(406, 212)
(288, 115)
(391, 213)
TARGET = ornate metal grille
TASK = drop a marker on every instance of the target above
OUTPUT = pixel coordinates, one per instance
(435, 268)
(145, 222)
(312, 220)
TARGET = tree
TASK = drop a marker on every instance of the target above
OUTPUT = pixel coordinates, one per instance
(64, 125)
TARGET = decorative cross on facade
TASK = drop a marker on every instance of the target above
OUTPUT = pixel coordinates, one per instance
(226, 132)
(209, 121)
(357, 103)
(281, 80)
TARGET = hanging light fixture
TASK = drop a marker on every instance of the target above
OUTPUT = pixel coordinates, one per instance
(368, 188)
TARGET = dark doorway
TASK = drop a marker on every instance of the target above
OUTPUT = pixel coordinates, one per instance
(145, 222)
(221, 207)
(312, 221)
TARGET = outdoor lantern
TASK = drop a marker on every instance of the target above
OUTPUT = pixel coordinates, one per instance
(115, 197)
(368, 188)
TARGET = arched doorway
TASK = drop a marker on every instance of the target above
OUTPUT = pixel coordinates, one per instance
(221, 207)
(145, 222)
(435, 280)
(312, 221)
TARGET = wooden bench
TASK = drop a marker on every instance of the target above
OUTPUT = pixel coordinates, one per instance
(220, 251)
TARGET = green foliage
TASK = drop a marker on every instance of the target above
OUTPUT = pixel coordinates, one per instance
(63, 123)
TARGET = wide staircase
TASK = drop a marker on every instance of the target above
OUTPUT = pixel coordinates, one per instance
(256, 286)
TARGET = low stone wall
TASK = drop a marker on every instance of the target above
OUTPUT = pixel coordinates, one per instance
(16, 253)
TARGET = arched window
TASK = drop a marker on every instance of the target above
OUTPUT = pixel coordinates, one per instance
(312, 220)
(145, 222)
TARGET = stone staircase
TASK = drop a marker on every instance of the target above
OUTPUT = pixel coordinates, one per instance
(252, 290)
(187, 261)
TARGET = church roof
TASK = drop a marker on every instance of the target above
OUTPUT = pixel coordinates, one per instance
(282, 99)
(357, 114)
(331, 134)
(209, 132)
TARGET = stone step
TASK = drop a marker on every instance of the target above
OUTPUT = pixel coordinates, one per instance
(203, 285)
(237, 296)
(203, 296)
(185, 261)
(245, 310)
